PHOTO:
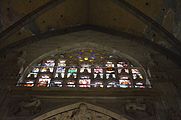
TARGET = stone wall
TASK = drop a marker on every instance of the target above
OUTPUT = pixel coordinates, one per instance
(162, 104)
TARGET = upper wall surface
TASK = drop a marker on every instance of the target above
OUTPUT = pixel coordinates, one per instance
(105, 13)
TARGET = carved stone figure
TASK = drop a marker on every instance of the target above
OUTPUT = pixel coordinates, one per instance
(140, 111)
(81, 113)
(133, 106)
(21, 61)
(29, 107)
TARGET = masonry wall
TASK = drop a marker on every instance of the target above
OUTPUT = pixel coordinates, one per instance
(163, 97)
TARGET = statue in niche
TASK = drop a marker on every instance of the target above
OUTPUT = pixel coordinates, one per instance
(28, 107)
(81, 113)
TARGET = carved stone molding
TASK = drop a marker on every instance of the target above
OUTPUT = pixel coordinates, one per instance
(80, 111)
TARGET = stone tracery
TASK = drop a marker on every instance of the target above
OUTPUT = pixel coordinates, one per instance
(85, 68)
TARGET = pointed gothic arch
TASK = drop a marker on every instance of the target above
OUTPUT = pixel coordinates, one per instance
(73, 112)
(71, 60)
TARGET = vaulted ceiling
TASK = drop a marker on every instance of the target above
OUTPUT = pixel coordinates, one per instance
(156, 21)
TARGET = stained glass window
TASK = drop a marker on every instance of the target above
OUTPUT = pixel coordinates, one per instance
(98, 73)
(44, 80)
(85, 68)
